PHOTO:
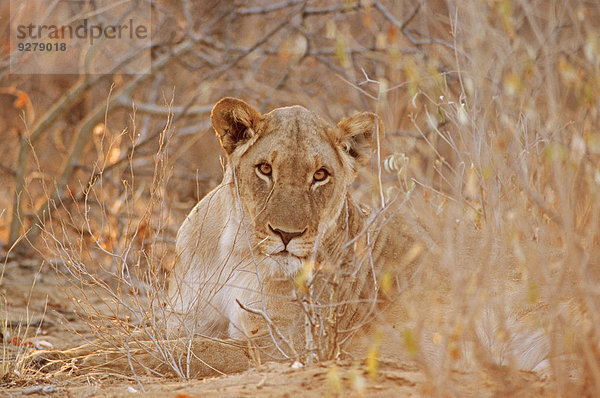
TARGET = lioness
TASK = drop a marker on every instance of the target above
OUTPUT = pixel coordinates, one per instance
(282, 221)
(278, 257)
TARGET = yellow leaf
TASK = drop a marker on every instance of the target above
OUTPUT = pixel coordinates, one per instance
(513, 84)
(373, 356)
(413, 77)
(555, 152)
(533, 294)
(410, 342)
(303, 277)
(386, 282)
(340, 51)
(505, 9)
(334, 380)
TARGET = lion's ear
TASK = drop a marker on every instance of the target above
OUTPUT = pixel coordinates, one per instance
(355, 135)
(234, 122)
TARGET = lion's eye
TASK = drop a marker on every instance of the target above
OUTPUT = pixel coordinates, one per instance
(320, 175)
(265, 168)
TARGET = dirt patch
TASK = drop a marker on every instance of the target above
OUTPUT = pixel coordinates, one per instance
(282, 380)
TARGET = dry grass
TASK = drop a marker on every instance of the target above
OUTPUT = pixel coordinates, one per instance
(491, 115)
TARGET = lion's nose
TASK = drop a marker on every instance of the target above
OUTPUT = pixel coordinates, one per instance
(286, 236)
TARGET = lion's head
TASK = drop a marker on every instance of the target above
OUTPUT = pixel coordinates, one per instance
(290, 171)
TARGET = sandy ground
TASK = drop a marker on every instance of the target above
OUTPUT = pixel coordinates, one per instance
(36, 298)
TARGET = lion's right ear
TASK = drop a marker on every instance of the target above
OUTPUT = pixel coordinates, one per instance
(234, 122)
(354, 134)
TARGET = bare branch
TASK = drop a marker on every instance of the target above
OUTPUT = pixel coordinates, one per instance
(161, 110)
(271, 8)
(348, 7)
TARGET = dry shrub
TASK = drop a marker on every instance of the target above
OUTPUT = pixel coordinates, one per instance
(514, 195)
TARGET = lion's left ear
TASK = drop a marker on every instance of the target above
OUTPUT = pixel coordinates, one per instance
(355, 133)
